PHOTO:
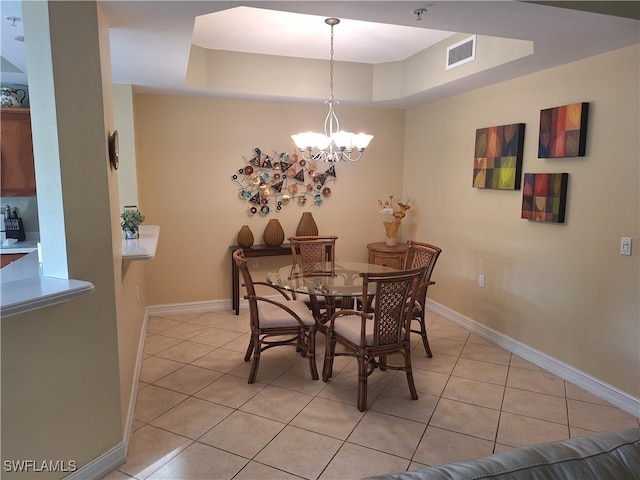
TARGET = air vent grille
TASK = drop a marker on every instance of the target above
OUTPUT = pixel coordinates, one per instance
(461, 52)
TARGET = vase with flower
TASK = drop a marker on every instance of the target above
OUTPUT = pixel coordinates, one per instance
(391, 219)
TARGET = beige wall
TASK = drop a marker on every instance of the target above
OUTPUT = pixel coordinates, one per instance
(130, 286)
(61, 397)
(562, 289)
(187, 151)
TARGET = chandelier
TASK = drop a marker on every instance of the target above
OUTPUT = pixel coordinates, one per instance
(334, 145)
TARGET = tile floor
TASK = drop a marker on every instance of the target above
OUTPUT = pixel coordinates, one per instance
(197, 418)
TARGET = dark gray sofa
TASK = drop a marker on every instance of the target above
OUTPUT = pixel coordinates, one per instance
(613, 455)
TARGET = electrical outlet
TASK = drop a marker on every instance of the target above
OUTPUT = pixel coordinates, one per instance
(137, 295)
(625, 246)
(255, 263)
(481, 281)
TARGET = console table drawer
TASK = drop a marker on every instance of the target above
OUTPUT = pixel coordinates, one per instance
(393, 257)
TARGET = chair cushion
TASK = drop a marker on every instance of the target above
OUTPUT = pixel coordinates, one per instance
(272, 316)
(349, 327)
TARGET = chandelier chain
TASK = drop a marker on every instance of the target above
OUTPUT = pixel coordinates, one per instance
(331, 68)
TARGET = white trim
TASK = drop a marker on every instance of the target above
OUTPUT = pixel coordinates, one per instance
(193, 307)
(600, 389)
(128, 426)
(99, 467)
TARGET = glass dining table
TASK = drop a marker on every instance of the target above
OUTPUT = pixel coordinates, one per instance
(341, 288)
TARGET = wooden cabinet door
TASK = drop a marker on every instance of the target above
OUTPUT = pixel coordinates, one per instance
(17, 171)
(6, 259)
(391, 260)
(392, 257)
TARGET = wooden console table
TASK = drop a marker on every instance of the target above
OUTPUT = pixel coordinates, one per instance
(252, 252)
(393, 257)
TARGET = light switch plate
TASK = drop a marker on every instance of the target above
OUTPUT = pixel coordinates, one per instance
(625, 246)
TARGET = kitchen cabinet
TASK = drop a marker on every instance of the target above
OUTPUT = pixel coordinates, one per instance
(393, 257)
(7, 259)
(17, 171)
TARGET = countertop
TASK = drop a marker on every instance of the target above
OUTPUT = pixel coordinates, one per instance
(143, 248)
(26, 246)
(22, 289)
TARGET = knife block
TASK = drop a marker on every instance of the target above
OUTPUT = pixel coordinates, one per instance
(14, 228)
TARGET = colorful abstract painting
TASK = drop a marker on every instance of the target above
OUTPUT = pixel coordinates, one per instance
(498, 159)
(544, 197)
(563, 131)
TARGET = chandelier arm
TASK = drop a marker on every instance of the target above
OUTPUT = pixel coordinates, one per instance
(329, 122)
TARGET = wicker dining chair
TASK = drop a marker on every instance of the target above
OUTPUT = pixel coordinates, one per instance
(378, 330)
(314, 256)
(273, 323)
(422, 255)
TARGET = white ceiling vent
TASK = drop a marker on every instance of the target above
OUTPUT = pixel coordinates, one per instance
(462, 52)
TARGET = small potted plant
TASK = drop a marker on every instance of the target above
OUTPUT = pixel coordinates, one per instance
(131, 220)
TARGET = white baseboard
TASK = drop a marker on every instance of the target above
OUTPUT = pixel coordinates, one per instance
(128, 426)
(600, 389)
(193, 307)
(102, 465)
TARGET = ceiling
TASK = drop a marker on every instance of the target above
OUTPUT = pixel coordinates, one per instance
(151, 40)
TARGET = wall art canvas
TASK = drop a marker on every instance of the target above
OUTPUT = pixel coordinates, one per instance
(563, 131)
(544, 197)
(498, 157)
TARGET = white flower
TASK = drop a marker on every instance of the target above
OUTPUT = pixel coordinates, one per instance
(387, 214)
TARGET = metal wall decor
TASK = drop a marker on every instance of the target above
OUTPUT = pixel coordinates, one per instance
(271, 182)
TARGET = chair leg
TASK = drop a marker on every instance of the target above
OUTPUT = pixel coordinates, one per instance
(382, 363)
(254, 366)
(256, 360)
(408, 370)
(330, 349)
(250, 348)
(311, 352)
(301, 345)
(362, 383)
(423, 334)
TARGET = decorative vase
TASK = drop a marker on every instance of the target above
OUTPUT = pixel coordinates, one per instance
(131, 234)
(273, 233)
(307, 226)
(391, 229)
(245, 237)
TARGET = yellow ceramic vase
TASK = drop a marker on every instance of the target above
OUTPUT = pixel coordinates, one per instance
(391, 229)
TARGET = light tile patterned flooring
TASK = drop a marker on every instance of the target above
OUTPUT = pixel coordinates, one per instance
(197, 418)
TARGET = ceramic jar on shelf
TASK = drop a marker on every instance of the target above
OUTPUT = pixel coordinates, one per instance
(273, 233)
(245, 237)
(307, 226)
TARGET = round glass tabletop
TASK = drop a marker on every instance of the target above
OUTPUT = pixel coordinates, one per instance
(344, 282)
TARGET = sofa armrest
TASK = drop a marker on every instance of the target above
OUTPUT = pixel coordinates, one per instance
(614, 455)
